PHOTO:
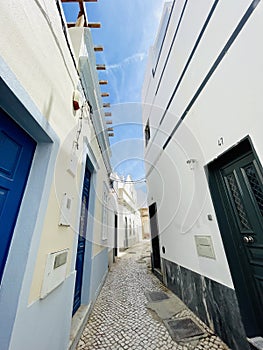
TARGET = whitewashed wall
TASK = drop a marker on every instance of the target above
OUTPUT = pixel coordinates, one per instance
(229, 107)
(38, 68)
(127, 208)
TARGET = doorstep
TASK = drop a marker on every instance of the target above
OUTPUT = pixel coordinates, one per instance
(78, 323)
(256, 343)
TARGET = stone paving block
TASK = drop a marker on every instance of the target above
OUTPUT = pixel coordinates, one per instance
(120, 319)
(166, 309)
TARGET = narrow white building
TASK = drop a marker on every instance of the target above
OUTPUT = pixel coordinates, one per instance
(202, 116)
(129, 228)
(54, 177)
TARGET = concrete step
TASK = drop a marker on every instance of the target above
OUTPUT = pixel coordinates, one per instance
(256, 343)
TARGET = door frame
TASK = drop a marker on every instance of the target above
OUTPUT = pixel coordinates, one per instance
(237, 269)
(155, 240)
(89, 161)
(84, 240)
(16, 102)
(115, 247)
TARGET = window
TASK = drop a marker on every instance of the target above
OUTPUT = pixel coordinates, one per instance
(147, 133)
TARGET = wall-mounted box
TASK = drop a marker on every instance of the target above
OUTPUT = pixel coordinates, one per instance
(73, 164)
(55, 271)
(65, 210)
(204, 247)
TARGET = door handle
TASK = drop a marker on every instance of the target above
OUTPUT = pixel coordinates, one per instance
(248, 239)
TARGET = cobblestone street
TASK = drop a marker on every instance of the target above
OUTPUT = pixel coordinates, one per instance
(120, 318)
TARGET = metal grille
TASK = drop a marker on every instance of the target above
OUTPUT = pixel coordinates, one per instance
(156, 296)
(238, 202)
(184, 329)
(255, 186)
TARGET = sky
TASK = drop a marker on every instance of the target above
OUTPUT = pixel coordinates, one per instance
(128, 29)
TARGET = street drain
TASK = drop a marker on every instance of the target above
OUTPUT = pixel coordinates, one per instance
(131, 252)
(156, 296)
(184, 329)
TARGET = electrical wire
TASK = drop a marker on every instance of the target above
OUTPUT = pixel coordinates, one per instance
(132, 182)
(44, 13)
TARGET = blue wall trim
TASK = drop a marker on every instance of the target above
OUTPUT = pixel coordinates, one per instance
(87, 282)
(52, 329)
(99, 271)
(91, 163)
(23, 250)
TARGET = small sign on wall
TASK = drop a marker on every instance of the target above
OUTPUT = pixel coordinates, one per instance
(204, 247)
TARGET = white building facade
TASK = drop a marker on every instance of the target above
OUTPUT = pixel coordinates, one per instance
(54, 177)
(202, 116)
(129, 225)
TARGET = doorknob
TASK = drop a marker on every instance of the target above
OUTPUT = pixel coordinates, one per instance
(248, 239)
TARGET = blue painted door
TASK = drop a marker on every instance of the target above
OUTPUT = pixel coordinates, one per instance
(16, 153)
(81, 241)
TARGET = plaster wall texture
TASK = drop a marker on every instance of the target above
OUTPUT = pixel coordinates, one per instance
(38, 70)
(228, 108)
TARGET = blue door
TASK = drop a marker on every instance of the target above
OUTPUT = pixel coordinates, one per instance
(81, 241)
(16, 153)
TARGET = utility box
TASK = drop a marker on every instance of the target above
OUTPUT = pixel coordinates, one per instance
(204, 246)
(55, 271)
(65, 210)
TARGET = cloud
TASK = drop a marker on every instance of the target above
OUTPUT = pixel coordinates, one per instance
(126, 50)
(128, 60)
(126, 39)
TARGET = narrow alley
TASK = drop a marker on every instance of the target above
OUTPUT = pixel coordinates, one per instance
(131, 177)
(123, 317)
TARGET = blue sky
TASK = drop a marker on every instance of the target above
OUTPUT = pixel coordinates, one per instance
(128, 30)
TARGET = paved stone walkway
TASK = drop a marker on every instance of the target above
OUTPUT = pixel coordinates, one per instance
(120, 318)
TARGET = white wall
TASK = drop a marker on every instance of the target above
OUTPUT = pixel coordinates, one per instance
(228, 107)
(40, 70)
(127, 208)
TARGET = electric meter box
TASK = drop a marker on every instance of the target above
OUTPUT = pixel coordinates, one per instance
(55, 271)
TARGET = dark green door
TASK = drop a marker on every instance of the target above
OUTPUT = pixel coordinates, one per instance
(237, 182)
